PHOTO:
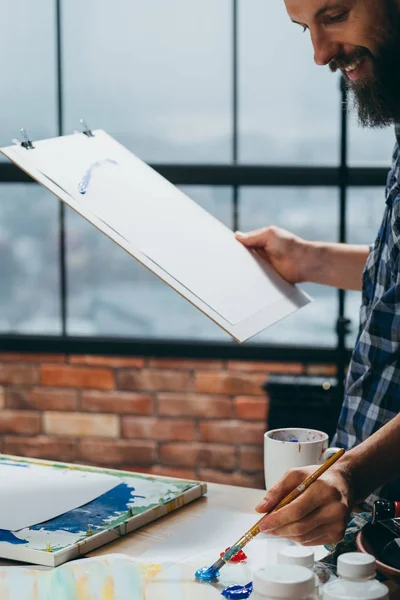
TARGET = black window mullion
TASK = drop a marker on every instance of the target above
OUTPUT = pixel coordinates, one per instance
(61, 215)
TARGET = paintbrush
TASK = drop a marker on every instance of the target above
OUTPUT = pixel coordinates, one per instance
(208, 573)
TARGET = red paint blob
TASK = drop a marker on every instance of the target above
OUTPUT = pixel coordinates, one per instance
(237, 558)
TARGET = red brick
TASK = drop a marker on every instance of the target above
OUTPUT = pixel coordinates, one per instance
(198, 455)
(2, 397)
(229, 383)
(250, 408)
(194, 405)
(323, 370)
(179, 363)
(119, 452)
(28, 357)
(41, 398)
(81, 424)
(19, 374)
(266, 367)
(162, 380)
(158, 429)
(77, 377)
(237, 479)
(231, 432)
(19, 421)
(252, 459)
(145, 470)
(117, 402)
(107, 361)
(42, 447)
(173, 472)
(285, 368)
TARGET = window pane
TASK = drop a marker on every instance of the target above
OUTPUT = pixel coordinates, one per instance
(311, 213)
(289, 107)
(364, 216)
(28, 72)
(110, 293)
(369, 147)
(157, 75)
(29, 260)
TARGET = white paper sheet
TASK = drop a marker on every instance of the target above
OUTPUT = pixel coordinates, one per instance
(211, 533)
(31, 494)
(147, 215)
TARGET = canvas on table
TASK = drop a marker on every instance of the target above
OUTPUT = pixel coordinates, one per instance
(42, 527)
(162, 228)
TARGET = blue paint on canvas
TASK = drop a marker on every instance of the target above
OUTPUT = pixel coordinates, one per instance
(10, 538)
(95, 513)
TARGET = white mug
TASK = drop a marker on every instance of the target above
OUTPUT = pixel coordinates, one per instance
(293, 447)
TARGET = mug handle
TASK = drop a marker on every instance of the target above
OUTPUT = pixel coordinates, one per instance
(329, 452)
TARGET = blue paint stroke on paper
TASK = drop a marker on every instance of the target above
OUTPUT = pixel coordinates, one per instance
(95, 513)
(237, 592)
(87, 177)
(10, 538)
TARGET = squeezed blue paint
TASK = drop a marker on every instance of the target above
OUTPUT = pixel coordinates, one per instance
(206, 574)
(95, 513)
(10, 538)
(237, 592)
(87, 177)
(12, 464)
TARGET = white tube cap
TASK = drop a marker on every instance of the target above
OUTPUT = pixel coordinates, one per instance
(356, 565)
(296, 555)
(341, 589)
(279, 581)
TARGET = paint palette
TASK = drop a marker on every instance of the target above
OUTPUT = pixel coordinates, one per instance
(133, 501)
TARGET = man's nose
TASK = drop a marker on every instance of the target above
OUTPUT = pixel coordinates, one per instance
(325, 49)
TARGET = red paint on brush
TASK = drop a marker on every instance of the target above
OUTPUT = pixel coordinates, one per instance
(237, 558)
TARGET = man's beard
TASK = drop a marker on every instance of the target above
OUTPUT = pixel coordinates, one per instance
(377, 97)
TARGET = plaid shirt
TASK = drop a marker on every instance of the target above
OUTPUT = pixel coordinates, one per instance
(372, 396)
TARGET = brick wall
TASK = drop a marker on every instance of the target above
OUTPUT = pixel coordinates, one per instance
(201, 419)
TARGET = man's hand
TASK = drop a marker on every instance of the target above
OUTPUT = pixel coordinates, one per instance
(285, 251)
(298, 260)
(319, 516)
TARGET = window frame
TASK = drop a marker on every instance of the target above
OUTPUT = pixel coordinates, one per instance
(234, 175)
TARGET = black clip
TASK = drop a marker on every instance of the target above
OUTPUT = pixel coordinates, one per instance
(27, 144)
(86, 129)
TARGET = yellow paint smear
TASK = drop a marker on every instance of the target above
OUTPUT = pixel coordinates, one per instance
(107, 591)
(35, 591)
(83, 588)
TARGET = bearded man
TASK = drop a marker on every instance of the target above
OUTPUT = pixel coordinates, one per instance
(361, 38)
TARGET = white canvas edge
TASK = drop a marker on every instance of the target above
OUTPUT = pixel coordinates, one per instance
(241, 331)
(54, 559)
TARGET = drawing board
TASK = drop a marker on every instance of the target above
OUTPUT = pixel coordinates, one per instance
(163, 229)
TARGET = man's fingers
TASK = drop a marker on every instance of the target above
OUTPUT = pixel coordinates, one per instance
(276, 493)
(326, 517)
(252, 239)
(317, 495)
(325, 534)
